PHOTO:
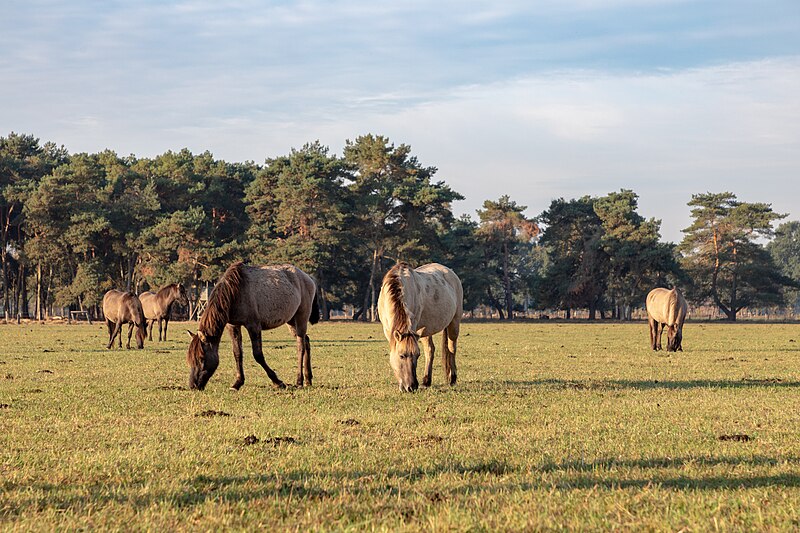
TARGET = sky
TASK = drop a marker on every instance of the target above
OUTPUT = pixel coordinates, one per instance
(534, 99)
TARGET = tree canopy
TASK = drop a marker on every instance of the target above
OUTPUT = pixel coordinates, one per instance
(75, 225)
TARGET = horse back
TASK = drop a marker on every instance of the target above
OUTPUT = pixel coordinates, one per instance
(119, 306)
(666, 306)
(439, 297)
(271, 295)
(150, 305)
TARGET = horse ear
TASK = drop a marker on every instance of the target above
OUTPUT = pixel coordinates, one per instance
(398, 336)
(202, 336)
(190, 333)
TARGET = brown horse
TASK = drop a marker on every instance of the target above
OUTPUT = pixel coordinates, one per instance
(258, 298)
(418, 303)
(666, 308)
(124, 308)
(158, 306)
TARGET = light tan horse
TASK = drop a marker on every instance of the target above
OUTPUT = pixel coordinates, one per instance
(258, 298)
(666, 307)
(418, 303)
(124, 308)
(158, 306)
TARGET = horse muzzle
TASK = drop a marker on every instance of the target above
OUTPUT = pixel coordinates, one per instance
(409, 387)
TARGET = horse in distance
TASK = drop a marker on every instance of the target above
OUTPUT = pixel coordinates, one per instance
(258, 298)
(666, 308)
(416, 304)
(124, 308)
(158, 306)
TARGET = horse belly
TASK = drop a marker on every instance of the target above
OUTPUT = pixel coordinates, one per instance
(434, 320)
(274, 312)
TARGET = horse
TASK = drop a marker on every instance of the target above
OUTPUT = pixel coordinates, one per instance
(666, 308)
(124, 308)
(416, 304)
(158, 306)
(258, 298)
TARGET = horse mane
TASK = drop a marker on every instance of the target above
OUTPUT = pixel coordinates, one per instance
(225, 293)
(165, 289)
(394, 291)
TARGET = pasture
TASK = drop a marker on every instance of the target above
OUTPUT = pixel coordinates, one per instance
(550, 426)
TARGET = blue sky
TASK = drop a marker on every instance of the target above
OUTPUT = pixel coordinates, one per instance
(538, 100)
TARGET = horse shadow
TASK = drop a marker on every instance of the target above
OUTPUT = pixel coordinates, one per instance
(489, 476)
(612, 384)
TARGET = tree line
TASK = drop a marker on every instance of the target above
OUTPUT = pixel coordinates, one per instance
(73, 226)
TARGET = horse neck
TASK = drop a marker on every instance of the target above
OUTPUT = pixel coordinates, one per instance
(136, 312)
(167, 295)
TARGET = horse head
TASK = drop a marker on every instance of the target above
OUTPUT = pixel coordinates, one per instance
(203, 359)
(403, 355)
(141, 333)
(674, 337)
(182, 298)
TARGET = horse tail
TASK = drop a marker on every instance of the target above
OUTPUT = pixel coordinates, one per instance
(314, 318)
(673, 307)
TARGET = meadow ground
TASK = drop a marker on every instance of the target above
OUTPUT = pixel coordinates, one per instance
(551, 426)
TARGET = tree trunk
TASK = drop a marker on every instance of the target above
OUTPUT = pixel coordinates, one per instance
(129, 273)
(369, 297)
(495, 303)
(5, 281)
(507, 284)
(24, 310)
(48, 310)
(324, 309)
(38, 291)
(734, 286)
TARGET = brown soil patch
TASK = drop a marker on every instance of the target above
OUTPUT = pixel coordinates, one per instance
(276, 441)
(170, 387)
(210, 412)
(737, 437)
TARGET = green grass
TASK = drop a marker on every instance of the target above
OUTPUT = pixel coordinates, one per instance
(551, 426)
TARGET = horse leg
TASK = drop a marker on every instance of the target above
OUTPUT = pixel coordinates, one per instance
(304, 376)
(130, 332)
(258, 355)
(113, 329)
(166, 323)
(653, 329)
(307, 361)
(159, 329)
(429, 351)
(236, 338)
(301, 348)
(449, 344)
(659, 334)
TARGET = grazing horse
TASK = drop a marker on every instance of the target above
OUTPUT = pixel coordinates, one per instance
(666, 308)
(258, 298)
(418, 303)
(158, 306)
(124, 308)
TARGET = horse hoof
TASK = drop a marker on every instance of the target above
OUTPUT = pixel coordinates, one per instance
(280, 385)
(426, 383)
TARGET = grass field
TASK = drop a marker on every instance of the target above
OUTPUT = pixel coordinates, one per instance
(551, 426)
